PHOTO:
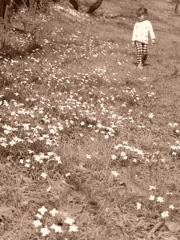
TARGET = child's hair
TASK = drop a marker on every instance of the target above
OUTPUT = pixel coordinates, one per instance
(142, 11)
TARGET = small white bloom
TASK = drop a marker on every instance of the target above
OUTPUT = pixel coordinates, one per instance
(37, 223)
(67, 174)
(115, 173)
(151, 198)
(123, 105)
(27, 165)
(53, 212)
(113, 157)
(45, 231)
(21, 161)
(152, 188)
(58, 159)
(160, 199)
(138, 205)
(165, 214)
(171, 207)
(69, 221)
(150, 115)
(42, 210)
(88, 156)
(73, 228)
(38, 215)
(123, 155)
(44, 175)
(56, 228)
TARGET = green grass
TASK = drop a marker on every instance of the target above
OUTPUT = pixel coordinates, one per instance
(86, 134)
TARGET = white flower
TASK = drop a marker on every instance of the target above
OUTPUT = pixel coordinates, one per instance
(38, 215)
(27, 165)
(73, 228)
(160, 199)
(116, 147)
(21, 161)
(113, 157)
(44, 175)
(50, 154)
(171, 207)
(115, 173)
(123, 155)
(138, 205)
(26, 126)
(69, 221)
(151, 197)
(12, 143)
(152, 187)
(53, 212)
(45, 231)
(88, 156)
(37, 223)
(67, 174)
(150, 115)
(56, 228)
(165, 214)
(58, 159)
(42, 210)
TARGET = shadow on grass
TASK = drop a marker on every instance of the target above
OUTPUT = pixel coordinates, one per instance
(8, 51)
(4, 81)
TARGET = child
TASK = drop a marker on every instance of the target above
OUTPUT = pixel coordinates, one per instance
(141, 32)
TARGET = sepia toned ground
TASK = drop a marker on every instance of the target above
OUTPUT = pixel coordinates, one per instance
(89, 144)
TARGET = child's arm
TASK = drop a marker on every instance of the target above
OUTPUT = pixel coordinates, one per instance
(134, 38)
(151, 32)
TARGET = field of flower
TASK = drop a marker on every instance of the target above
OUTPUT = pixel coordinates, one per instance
(89, 144)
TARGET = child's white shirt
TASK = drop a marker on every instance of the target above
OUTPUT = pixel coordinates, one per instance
(142, 30)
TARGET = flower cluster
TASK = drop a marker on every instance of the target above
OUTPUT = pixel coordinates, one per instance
(45, 223)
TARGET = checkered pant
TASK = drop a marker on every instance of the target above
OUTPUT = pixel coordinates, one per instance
(142, 52)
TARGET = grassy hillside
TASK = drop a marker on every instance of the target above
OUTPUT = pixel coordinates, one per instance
(89, 144)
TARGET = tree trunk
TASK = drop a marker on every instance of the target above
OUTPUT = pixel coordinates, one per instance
(75, 4)
(96, 5)
(3, 4)
(176, 6)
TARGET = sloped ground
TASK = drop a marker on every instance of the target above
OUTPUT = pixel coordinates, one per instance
(89, 145)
